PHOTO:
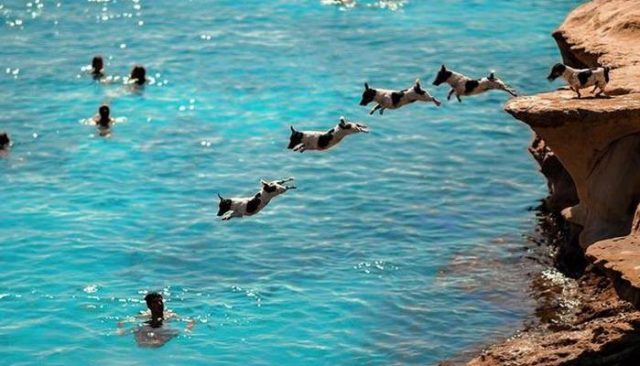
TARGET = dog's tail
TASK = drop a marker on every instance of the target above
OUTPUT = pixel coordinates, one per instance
(606, 73)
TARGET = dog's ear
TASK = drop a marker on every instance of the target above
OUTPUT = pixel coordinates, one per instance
(263, 182)
(443, 68)
(492, 75)
(418, 83)
(292, 129)
(366, 86)
(221, 198)
(343, 121)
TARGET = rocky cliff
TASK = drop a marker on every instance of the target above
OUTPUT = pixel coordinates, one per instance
(589, 151)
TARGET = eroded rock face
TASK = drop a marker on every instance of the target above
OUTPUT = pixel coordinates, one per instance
(595, 328)
(620, 258)
(596, 143)
(595, 139)
(562, 190)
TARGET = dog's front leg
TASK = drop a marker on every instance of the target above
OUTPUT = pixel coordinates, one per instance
(450, 94)
(458, 97)
(382, 111)
(594, 88)
(374, 109)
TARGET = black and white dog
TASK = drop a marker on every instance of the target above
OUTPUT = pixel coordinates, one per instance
(238, 207)
(318, 140)
(582, 78)
(391, 99)
(463, 85)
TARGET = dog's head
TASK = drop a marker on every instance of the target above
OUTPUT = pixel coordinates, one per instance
(275, 187)
(417, 88)
(556, 71)
(351, 127)
(442, 76)
(224, 206)
(367, 95)
(295, 139)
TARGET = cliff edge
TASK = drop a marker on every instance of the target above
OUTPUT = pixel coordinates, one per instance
(589, 151)
(597, 140)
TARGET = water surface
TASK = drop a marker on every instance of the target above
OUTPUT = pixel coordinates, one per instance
(398, 247)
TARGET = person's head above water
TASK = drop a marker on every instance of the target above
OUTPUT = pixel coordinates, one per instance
(4, 140)
(97, 64)
(105, 118)
(138, 74)
(156, 305)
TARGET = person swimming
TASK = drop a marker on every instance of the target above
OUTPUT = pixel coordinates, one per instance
(154, 333)
(103, 120)
(138, 75)
(155, 304)
(5, 141)
(97, 67)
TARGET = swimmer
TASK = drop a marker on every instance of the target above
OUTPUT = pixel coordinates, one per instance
(103, 120)
(155, 304)
(97, 67)
(153, 332)
(138, 75)
(5, 141)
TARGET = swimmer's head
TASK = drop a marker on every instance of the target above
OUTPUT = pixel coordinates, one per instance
(138, 74)
(155, 304)
(97, 64)
(4, 140)
(104, 111)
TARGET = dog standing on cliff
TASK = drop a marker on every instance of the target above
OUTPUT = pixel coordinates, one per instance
(392, 99)
(582, 78)
(463, 85)
(248, 206)
(317, 140)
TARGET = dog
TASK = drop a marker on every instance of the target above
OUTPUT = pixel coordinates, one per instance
(463, 85)
(390, 99)
(229, 208)
(317, 140)
(582, 78)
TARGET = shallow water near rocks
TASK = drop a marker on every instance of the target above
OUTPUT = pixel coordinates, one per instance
(398, 247)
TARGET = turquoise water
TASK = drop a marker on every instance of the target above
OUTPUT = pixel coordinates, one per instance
(398, 247)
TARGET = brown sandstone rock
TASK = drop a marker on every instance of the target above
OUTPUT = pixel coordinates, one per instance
(594, 138)
(597, 143)
(597, 328)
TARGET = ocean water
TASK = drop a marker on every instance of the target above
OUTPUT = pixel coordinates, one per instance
(399, 247)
